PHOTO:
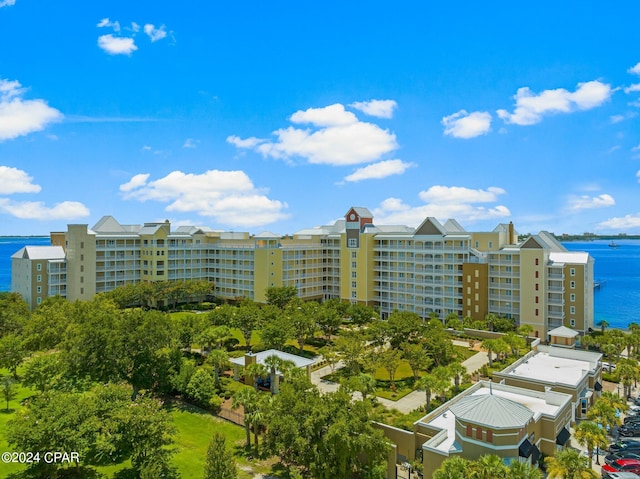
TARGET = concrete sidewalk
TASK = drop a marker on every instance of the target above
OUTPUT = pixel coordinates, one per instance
(412, 401)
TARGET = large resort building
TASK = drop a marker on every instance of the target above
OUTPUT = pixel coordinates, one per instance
(434, 268)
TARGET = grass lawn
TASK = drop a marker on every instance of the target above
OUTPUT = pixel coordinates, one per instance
(14, 405)
(463, 353)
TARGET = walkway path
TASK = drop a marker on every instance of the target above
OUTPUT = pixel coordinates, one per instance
(412, 401)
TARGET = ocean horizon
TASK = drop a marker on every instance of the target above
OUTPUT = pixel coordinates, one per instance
(616, 269)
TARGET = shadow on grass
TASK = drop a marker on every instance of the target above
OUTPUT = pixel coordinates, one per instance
(176, 405)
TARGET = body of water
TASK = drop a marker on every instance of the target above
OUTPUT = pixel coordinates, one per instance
(618, 269)
(8, 246)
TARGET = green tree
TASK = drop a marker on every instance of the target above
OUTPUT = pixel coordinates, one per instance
(219, 360)
(201, 388)
(351, 346)
(492, 346)
(324, 436)
(14, 313)
(455, 467)
(12, 353)
(515, 342)
(329, 319)
(246, 398)
(276, 328)
(488, 466)
(437, 342)
(523, 470)
(302, 317)
(280, 296)
(41, 372)
(457, 371)
(363, 383)
(257, 372)
(417, 357)
(629, 373)
(247, 319)
(592, 436)
(525, 330)
(390, 360)
(8, 389)
(569, 464)
(219, 463)
(429, 384)
(361, 315)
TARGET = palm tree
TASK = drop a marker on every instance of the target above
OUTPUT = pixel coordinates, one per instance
(592, 436)
(276, 366)
(488, 466)
(457, 371)
(247, 398)
(444, 376)
(569, 464)
(428, 383)
(490, 345)
(523, 470)
(256, 371)
(455, 467)
(218, 358)
(603, 325)
(629, 373)
(525, 330)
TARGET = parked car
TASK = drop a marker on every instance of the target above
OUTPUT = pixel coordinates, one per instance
(614, 456)
(631, 419)
(623, 465)
(631, 429)
(619, 475)
(626, 444)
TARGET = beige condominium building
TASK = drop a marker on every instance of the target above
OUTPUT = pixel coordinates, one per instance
(526, 411)
(517, 424)
(434, 268)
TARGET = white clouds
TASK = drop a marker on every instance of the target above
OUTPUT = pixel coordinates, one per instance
(338, 138)
(531, 107)
(228, 196)
(7, 3)
(154, 33)
(19, 117)
(332, 115)
(585, 202)
(620, 223)
(125, 45)
(248, 143)
(378, 108)
(13, 180)
(444, 202)
(467, 125)
(635, 70)
(379, 170)
(36, 210)
(190, 143)
(135, 182)
(117, 45)
(106, 23)
(633, 88)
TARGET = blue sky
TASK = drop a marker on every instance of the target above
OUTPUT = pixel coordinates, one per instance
(278, 116)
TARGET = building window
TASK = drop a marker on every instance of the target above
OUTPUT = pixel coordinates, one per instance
(537, 286)
(489, 436)
(572, 271)
(354, 254)
(537, 261)
(38, 300)
(81, 244)
(572, 310)
(39, 267)
(477, 244)
(469, 431)
(353, 294)
(81, 257)
(352, 243)
(572, 285)
(479, 433)
(353, 284)
(353, 264)
(536, 311)
(82, 268)
(537, 274)
(490, 244)
(572, 297)
(537, 299)
(81, 290)
(39, 278)
(572, 322)
(39, 289)
(354, 274)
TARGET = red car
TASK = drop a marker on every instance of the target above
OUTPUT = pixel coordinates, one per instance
(623, 465)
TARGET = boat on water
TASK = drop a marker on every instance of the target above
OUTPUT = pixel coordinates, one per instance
(613, 244)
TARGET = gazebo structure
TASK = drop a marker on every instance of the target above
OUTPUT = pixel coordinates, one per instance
(563, 337)
(261, 358)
